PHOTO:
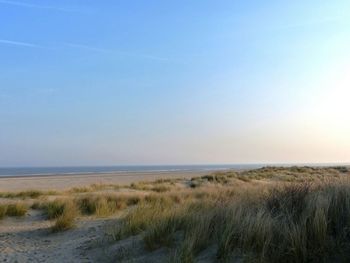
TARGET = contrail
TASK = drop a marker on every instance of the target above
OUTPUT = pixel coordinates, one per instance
(95, 49)
(21, 4)
(18, 43)
(103, 50)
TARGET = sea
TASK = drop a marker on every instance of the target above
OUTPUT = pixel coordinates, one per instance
(76, 170)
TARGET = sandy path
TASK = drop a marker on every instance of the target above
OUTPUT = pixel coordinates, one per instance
(29, 239)
(61, 182)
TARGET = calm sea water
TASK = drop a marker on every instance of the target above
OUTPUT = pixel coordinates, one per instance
(40, 171)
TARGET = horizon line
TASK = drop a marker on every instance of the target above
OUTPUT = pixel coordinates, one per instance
(194, 164)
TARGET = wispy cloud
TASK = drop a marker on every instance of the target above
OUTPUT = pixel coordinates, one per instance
(95, 49)
(84, 47)
(20, 44)
(29, 5)
(121, 53)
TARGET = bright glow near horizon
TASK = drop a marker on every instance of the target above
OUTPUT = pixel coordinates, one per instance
(174, 83)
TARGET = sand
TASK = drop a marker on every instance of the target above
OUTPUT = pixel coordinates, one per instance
(63, 182)
(30, 239)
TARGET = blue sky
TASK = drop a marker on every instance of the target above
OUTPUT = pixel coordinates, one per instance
(160, 82)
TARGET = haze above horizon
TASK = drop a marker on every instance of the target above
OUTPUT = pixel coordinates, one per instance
(122, 82)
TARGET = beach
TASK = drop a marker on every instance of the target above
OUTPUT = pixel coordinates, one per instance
(185, 216)
(64, 182)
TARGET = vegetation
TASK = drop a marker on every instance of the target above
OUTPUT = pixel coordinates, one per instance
(101, 205)
(272, 214)
(3, 209)
(17, 209)
(54, 209)
(90, 204)
(283, 221)
(27, 194)
(66, 220)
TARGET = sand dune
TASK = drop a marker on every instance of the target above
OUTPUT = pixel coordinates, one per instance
(228, 216)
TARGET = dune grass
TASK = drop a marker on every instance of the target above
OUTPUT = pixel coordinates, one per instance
(93, 188)
(17, 209)
(105, 204)
(100, 205)
(66, 220)
(65, 211)
(55, 209)
(13, 210)
(27, 194)
(279, 222)
(272, 214)
(3, 209)
(148, 212)
(158, 186)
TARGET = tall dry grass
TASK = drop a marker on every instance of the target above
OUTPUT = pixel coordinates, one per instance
(3, 209)
(286, 222)
(14, 209)
(66, 219)
(272, 214)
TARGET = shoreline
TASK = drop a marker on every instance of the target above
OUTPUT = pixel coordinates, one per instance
(67, 181)
(117, 173)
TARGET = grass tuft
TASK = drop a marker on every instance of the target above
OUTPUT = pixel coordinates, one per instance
(66, 220)
(3, 209)
(17, 209)
(27, 194)
(55, 208)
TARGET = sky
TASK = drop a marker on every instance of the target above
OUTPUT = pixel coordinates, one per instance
(86, 82)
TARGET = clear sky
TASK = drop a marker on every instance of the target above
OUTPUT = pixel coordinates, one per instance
(174, 82)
